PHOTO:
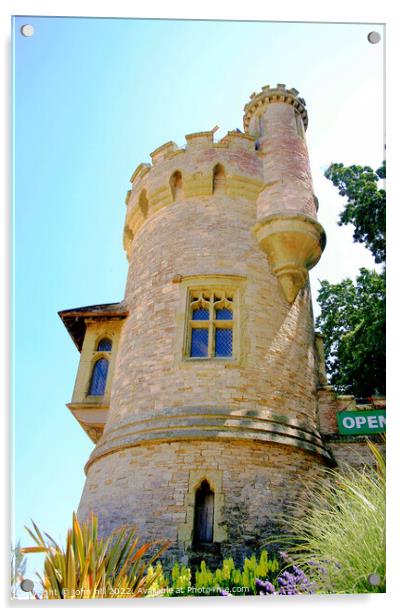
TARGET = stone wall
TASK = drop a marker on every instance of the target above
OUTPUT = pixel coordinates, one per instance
(275, 371)
(152, 486)
(346, 449)
(355, 452)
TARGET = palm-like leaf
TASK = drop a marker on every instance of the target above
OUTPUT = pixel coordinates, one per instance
(91, 566)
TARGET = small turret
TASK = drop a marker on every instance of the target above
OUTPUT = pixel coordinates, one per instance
(287, 229)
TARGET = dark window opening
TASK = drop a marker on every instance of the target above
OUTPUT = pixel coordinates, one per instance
(204, 515)
(219, 177)
(105, 345)
(176, 185)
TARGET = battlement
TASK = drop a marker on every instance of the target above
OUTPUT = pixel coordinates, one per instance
(233, 140)
(231, 165)
(278, 94)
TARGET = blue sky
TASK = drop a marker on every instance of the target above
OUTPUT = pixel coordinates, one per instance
(92, 98)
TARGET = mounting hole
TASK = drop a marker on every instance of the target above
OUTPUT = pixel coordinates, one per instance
(374, 579)
(374, 37)
(27, 30)
(27, 585)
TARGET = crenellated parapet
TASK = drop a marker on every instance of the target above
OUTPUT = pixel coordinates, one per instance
(201, 168)
(268, 95)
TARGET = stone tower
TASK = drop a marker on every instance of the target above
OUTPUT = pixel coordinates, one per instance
(200, 387)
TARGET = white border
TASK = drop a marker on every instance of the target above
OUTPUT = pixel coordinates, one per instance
(293, 10)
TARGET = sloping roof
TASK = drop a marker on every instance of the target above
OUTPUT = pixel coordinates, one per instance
(74, 319)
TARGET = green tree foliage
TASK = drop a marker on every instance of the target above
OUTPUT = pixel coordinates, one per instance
(365, 206)
(353, 325)
(352, 317)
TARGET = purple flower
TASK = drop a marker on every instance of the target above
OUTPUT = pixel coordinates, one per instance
(270, 588)
(265, 588)
(294, 581)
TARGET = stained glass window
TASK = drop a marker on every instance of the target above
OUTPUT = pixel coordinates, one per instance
(98, 379)
(105, 345)
(199, 343)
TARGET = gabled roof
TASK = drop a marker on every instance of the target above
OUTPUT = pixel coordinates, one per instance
(74, 319)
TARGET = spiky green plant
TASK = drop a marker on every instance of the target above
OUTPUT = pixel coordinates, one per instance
(18, 567)
(340, 540)
(92, 567)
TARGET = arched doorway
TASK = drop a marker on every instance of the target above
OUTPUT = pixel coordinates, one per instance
(203, 514)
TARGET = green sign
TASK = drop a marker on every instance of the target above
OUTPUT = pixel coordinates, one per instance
(361, 422)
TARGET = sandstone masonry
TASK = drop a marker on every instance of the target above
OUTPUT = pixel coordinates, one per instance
(205, 389)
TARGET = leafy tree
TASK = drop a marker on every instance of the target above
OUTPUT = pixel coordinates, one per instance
(365, 207)
(352, 318)
(352, 322)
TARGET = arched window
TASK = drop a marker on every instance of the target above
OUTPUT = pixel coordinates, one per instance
(98, 379)
(143, 203)
(219, 177)
(176, 185)
(104, 345)
(204, 514)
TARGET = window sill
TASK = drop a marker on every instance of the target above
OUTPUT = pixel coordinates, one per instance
(94, 399)
(227, 362)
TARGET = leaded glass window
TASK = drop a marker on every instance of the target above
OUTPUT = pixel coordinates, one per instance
(200, 314)
(210, 324)
(223, 342)
(99, 376)
(199, 343)
(105, 345)
(223, 313)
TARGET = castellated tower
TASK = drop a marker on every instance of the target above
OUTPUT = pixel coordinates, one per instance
(200, 388)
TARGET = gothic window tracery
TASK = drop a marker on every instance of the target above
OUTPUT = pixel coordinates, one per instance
(211, 324)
